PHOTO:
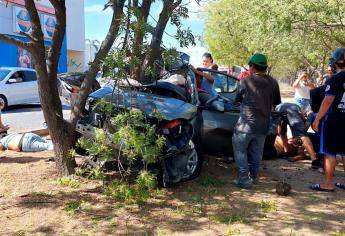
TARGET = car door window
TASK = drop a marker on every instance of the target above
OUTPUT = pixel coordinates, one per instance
(224, 83)
(29, 76)
(18, 76)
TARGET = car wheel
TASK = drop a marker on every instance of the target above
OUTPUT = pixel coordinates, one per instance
(194, 161)
(4, 101)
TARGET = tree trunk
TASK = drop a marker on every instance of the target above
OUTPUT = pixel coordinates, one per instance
(61, 132)
(142, 16)
(157, 36)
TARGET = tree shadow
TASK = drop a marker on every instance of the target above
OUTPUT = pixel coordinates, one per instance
(20, 160)
(195, 205)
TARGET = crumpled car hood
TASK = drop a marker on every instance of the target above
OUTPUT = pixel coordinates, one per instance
(169, 108)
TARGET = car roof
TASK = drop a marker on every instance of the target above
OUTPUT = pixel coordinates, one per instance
(16, 68)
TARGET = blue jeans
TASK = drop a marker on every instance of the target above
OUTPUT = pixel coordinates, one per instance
(248, 150)
(34, 143)
(303, 103)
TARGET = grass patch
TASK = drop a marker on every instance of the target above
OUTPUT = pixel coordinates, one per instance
(72, 207)
(229, 219)
(268, 206)
(231, 232)
(68, 182)
(338, 233)
(159, 232)
(199, 205)
(210, 181)
(41, 194)
(138, 193)
(93, 174)
(20, 233)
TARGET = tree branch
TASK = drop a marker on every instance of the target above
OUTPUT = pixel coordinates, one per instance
(157, 34)
(58, 36)
(28, 36)
(86, 86)
(19, 43)
(35, 20)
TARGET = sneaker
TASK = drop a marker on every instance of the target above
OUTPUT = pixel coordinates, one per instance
(243, 183)
(316, 164)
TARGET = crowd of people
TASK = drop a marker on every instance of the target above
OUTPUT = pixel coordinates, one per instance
(259, 95)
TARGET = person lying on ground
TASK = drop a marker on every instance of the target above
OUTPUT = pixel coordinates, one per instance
(298, 126)
(27, 142)
(286, 148)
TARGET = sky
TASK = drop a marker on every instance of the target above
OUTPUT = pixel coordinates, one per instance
(97, 23)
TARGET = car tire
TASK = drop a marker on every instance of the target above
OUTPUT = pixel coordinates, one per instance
(4, 100)
(195, 156)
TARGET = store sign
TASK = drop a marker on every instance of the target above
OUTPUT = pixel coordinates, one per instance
(49, 24)
(21, 20)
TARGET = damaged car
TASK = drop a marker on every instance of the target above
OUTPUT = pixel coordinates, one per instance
(190, 128)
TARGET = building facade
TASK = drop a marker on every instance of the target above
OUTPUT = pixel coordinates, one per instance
(14, 18)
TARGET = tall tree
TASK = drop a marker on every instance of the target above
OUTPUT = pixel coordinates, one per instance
(61, 130)
(145, 37)
(132, 24)
(292, 33)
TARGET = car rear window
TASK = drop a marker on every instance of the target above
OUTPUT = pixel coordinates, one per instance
(3, 73)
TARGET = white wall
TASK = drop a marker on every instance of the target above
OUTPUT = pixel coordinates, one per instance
(75, 61)
(75, 25)
(6, 22)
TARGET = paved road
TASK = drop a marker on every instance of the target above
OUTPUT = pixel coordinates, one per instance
(26, 117)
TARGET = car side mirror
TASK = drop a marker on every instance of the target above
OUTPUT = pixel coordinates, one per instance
(12, 81)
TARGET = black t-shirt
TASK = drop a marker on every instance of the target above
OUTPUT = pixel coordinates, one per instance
(316, 97)
(335, 86)
(257, 94)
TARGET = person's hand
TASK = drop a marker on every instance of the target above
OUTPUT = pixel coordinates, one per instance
(4, 128)
(315, 125)
(192, 67)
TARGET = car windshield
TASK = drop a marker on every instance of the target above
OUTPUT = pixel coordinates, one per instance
(3, 73)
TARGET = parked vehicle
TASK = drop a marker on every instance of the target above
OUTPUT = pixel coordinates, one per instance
(69, 85)
(18, 86)
(191, 129)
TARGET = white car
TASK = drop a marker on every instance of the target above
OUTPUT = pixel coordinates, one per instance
(18, 86)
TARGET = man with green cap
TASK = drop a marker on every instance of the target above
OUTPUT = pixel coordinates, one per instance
(258, 94)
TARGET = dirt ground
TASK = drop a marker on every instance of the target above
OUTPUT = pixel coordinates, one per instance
(32, 203)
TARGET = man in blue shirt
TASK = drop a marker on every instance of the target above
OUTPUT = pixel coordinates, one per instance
(330, 120)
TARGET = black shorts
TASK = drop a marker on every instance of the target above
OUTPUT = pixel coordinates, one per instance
(332, 142)
(298, 130)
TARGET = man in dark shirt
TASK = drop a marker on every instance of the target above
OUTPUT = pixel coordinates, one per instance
(298, 129)
(332, 117)
(258, 94)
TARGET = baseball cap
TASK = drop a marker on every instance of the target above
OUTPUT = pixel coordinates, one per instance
(337, 56)
(258, 59)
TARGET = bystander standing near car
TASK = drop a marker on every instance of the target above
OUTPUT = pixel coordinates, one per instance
(330, 121)
(258, 94)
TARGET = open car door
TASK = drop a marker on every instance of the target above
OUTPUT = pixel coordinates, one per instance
(218, 126)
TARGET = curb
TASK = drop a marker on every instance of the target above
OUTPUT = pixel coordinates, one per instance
(40, 132)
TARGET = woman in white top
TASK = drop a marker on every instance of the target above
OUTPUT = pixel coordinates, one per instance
(302, 87)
